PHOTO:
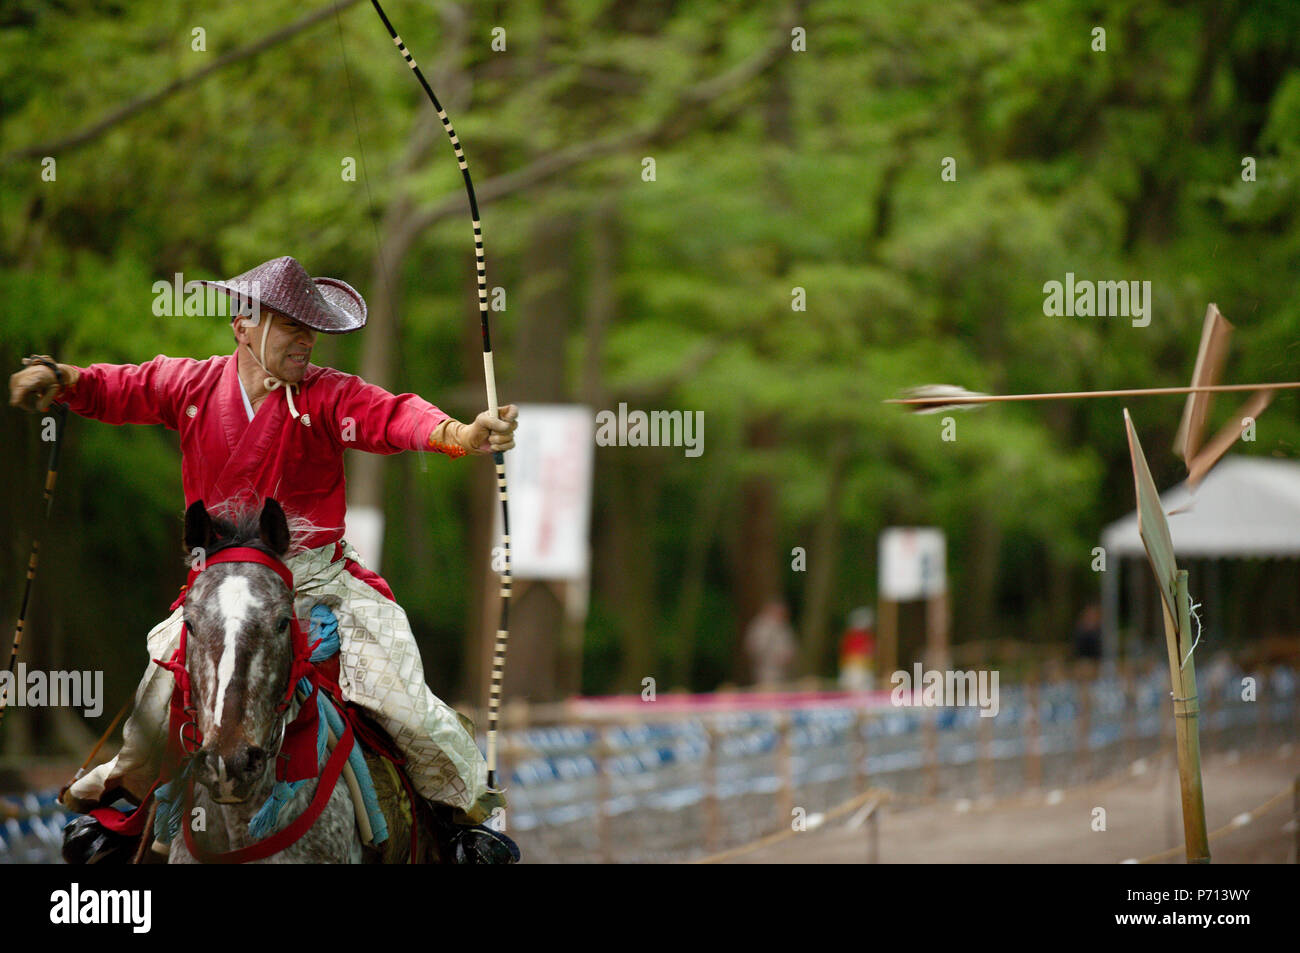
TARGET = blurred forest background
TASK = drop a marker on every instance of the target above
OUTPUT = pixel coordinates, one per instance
(776, 169)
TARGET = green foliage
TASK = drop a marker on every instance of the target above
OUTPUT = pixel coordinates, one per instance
(821, 173)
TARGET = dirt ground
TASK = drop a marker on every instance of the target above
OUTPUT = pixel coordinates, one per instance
(1142, 818)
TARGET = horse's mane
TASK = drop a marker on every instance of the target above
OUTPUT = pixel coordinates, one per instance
(238, 524)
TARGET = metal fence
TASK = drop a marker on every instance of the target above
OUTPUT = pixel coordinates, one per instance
(678, 787)
(32, 828)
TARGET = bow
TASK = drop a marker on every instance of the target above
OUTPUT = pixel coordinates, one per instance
(499, 649)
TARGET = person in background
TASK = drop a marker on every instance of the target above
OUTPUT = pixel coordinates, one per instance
(857, 651)
(770, 644)
(1087, 633)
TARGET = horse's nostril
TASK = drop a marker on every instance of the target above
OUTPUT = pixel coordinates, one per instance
(204, 771)
(256, 760)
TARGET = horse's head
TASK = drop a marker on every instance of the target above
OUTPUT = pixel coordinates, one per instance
(239, 649)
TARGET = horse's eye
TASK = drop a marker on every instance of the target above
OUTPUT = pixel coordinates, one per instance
(284, 625)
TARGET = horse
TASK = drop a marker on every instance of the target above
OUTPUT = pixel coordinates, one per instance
(240, 658)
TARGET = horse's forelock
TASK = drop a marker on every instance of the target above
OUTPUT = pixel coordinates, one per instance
(236, 522)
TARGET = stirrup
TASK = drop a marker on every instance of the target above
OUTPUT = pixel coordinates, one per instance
(482, 845)
(470, 844)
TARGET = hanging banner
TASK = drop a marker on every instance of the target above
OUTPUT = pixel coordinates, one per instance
(549, 473)
(913, 563)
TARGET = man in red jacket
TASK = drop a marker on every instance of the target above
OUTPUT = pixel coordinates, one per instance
(264, 422)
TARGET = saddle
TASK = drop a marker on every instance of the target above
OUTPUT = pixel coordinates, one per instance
(412, 837)
(419, 831)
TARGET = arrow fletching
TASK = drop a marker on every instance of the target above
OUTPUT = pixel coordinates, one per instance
(936, 398)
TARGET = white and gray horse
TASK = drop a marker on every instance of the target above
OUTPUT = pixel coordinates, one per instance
(240, 659)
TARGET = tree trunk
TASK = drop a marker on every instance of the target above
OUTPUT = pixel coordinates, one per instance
(822, 560)
(757, 559)
(633, 490)
(978, 613)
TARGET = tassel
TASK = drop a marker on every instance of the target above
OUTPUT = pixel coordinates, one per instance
(167, 820)
(266, 819)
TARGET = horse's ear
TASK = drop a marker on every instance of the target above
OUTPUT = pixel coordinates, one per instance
(198, 527)
(274, 527)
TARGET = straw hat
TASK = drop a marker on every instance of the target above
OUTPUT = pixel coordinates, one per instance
(323, 304)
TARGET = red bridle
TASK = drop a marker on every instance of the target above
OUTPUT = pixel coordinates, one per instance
(299, 738)
(188, 736)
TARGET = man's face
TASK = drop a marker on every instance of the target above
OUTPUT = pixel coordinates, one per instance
(288, 344)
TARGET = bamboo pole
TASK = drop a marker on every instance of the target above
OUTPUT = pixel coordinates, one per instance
(1182, 673)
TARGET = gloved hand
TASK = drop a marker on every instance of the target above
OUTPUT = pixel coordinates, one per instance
(36, 386)
(487, 434)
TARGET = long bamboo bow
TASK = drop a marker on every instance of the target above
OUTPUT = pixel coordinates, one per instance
(503, 629)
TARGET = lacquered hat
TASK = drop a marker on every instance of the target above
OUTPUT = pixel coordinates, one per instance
(324, 304)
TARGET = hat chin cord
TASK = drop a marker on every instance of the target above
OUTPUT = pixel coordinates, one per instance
(271, 382)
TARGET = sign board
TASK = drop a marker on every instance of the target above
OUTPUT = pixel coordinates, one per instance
(1152, 525)
(363, 527)
(549, 478)
(913, 563)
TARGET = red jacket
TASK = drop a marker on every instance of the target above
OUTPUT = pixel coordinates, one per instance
(225, 456)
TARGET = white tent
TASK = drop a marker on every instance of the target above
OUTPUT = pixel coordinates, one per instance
(1246, 507)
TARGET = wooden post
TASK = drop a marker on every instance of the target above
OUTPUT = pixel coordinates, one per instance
(602, 798)
(931, 716)
(1033, 748)
(887, 650)
(1295, 820)
(712, 835)
(785, 764)
(1084, 754)
(936, 631)
(1130, 712)
(1186, 712)
(1295, 706)
(873, 833)
(860, 749)
(573, 595)
(986, 757)
(1261, 721)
